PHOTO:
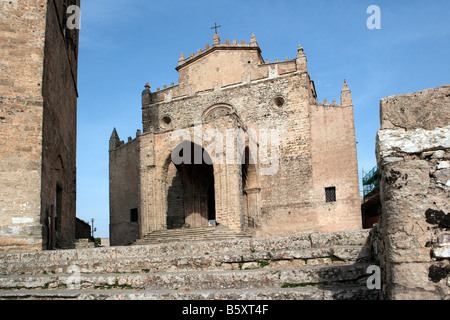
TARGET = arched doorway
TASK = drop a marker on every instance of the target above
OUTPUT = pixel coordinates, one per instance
(191, 196)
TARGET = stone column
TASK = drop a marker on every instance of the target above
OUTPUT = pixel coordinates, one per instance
(228, 190)
(413, 154)
(253, 205)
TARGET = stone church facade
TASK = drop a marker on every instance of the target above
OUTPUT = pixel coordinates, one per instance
(239, 143)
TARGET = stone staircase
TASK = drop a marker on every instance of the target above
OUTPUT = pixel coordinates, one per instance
(324, 266)
(190, 234)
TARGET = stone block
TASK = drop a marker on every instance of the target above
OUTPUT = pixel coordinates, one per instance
(426, 109)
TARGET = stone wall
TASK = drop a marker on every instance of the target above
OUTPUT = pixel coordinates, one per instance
(123, 193)
(37, 123)
(334, 160)
(413, 154)
(59, 128)
(82, 229)
(22, 38)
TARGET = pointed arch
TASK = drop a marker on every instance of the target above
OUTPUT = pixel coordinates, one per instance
(189, 180)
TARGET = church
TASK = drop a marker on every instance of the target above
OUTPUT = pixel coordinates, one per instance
(240, 144)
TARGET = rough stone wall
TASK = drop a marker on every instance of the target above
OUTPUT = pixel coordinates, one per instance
(59, 129)
(413, 154)
(38, 123)
(82, 229)
(123, 193)
(334, 164)
(221, 67)
(22, 36)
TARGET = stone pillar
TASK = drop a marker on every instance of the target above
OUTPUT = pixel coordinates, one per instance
(150, 193)
(253, 205)
(216, 39)
(301, 60)
(228, 190)
(413, 154)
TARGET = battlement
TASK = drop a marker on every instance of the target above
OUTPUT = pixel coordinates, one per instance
(217, 45)
(346, 99)
(115, 142)
(222, 65)
(235, 63)
(267, 72)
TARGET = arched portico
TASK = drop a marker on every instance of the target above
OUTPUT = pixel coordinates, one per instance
(175, 193)
(193, 202)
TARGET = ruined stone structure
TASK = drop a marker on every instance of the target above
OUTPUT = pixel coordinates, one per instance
(38, 110)
(412, 240)
(259, 154)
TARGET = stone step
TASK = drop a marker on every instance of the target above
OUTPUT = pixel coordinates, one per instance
(190, 235)
(254, 268)
(230, 246)
(196, 231)
(205, 261)
(297, 293)
(196, 280)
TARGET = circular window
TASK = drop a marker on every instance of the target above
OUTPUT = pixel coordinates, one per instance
(165, 122)
(278, 102)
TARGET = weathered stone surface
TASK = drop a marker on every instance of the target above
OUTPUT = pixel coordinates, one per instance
(413, 156)
(300, 293)
(426, 109)
(319, 240)
(442, 252)
(38, 103)
(186, 270)
(197, 280)
(395, 141)
(206, 255)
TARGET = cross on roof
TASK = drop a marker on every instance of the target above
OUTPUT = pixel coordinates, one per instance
(215, 27)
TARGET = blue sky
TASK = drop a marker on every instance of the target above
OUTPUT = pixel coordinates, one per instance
(126, 43)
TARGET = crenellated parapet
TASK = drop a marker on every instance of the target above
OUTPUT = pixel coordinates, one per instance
(346, 98)
(233, 63)
(115, 142)
(217, 45)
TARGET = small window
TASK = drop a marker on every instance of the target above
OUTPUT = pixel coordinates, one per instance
(134, 215)
(165, 122)
(330, 194)
(278, 102)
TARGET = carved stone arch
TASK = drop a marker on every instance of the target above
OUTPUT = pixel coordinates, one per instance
(189, 187)
(223, 193)
(217, 111)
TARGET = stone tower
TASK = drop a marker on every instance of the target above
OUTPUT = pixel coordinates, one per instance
(239, 143)
(38, 112)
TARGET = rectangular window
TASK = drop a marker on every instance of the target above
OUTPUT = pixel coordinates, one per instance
(134, 215)
(330, 194)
